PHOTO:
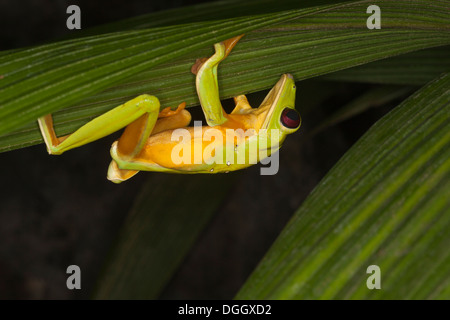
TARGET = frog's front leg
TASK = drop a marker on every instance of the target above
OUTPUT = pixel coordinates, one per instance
(207, 84)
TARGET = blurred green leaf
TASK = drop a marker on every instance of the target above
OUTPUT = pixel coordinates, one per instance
(415, 68)
(158, 233)
(385, 203)
(373, 97)
(306, 42)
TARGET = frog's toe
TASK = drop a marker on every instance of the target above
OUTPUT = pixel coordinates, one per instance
(230, 43)
(117, 175)
(197, 65)
(167, 112)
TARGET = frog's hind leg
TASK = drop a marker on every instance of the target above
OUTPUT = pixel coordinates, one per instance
(167, 119)
(140, 114)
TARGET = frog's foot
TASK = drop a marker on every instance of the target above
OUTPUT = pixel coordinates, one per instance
(168, 112)
(117, 175)
(230, 43)
(198, 64)
(242, 105)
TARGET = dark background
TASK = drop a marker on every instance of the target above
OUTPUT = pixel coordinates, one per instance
(58, 211)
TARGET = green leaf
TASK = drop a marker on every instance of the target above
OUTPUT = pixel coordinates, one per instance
(43, 79)
(216, 10)
(309, 42)
(158, 233)
(385, 203)
(415, 68)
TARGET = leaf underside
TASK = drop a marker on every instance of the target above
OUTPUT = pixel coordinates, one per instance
(97, 73)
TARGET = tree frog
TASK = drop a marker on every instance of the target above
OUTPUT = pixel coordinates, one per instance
(148, 144)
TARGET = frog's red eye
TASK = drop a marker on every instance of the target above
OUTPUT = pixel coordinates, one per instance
(290, 118)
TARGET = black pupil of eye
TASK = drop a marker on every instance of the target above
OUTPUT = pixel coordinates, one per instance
(290, 118)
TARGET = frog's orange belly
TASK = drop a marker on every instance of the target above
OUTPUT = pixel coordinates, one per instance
(192, 148)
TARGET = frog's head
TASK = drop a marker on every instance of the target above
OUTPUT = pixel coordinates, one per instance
(277, 111)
